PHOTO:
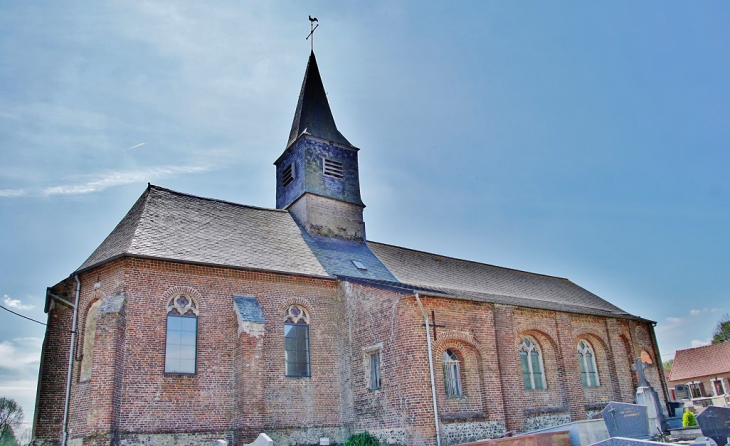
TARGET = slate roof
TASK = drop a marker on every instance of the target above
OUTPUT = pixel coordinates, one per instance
(249, 309)
(171, 225)
(701, 361)
(313, 114)
(490, 283)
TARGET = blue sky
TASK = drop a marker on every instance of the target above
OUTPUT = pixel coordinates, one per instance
(577, 139)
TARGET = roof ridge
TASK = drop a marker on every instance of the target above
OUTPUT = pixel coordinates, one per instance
(701, 346)
(474, 261)
(215, 200)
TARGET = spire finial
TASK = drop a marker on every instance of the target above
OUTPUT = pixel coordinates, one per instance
(312, 27)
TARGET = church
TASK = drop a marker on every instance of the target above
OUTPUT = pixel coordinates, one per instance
(198, 319)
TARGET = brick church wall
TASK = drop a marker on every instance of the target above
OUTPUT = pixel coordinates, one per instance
(240, 388)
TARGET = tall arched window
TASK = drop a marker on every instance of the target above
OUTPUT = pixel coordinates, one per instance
(296, 341)
(89, 336)
(532, 371)
(452, 375)
(181, 347)
(587, 364)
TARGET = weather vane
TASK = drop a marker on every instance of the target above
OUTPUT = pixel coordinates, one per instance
(311, 33)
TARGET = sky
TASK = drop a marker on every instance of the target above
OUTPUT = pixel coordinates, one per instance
(584, 140)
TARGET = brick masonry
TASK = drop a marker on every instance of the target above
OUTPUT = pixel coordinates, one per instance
(240, 388)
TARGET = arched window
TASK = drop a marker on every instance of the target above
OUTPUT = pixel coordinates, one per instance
(452, 375)
(587, 364)
(181, 347)
(89, 336)
(296, 341)
(532, 371)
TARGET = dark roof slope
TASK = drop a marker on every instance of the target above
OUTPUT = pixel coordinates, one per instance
(313, 114)
(479, 281)
(701, 361)
(171, 225)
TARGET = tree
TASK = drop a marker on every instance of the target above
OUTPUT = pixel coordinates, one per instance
(722, 330)
(668, 365)
(688, 419)
(11, 415)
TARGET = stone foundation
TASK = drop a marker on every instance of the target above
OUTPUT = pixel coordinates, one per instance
(455, 433)
(547, 420)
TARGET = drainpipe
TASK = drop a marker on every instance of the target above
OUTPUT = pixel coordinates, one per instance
(70, 361)
(430, 366)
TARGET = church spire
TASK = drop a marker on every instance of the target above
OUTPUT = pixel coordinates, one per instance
(313, 114)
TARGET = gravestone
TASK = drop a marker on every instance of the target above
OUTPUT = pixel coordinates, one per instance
(682, 392)
(647, 396)
(715, 423)
(703, 441)
(626, 420)
(618, 441)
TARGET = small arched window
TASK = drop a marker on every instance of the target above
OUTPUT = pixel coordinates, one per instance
(587, 364)
(296, 341)
(452, 375)
(89, 337)
(181, 347)
(532, 370)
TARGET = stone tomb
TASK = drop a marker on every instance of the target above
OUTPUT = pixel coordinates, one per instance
(626, 420)
(715, 423)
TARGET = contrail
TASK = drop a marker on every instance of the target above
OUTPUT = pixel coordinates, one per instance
(134, 147)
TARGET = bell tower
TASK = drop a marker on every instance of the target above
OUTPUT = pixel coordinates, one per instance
(317, 176)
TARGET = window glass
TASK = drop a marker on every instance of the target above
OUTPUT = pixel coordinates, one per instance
(587, 365)
(375, 370)
(452, 375)
(296, 342)
(533, 375)
(181, 341)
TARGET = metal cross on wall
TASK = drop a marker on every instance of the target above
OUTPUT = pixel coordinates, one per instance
(433, 324)
(311, 33)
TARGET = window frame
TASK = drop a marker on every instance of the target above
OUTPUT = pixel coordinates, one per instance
(375, 369)
(190, 311)
(293, 320)
(167, 332)
(585, 372)
(525, 352)
(453, 386)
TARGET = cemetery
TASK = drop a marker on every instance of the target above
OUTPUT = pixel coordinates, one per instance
(645, 423)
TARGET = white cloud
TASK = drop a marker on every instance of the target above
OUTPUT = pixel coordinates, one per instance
(717, 310)
(694, 312)
(111, 179)
(12, 192)
(674, 320)
(100, 182)
(698, 343)
(16, 303)
(19, 353)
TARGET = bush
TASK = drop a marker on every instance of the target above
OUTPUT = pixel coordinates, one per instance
(688, 419)
(362, 439)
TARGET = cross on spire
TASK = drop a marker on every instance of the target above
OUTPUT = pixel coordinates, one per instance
(312, 27)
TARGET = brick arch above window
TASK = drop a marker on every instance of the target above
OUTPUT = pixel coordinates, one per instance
(189, 292)
(593, 337)
(298, 301)
(540, 337)
(456, 336)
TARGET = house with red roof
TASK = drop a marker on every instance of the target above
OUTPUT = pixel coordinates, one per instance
(702, 375)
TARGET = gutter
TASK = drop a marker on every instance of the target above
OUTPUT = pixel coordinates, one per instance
(430, 366)
(70, 362)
